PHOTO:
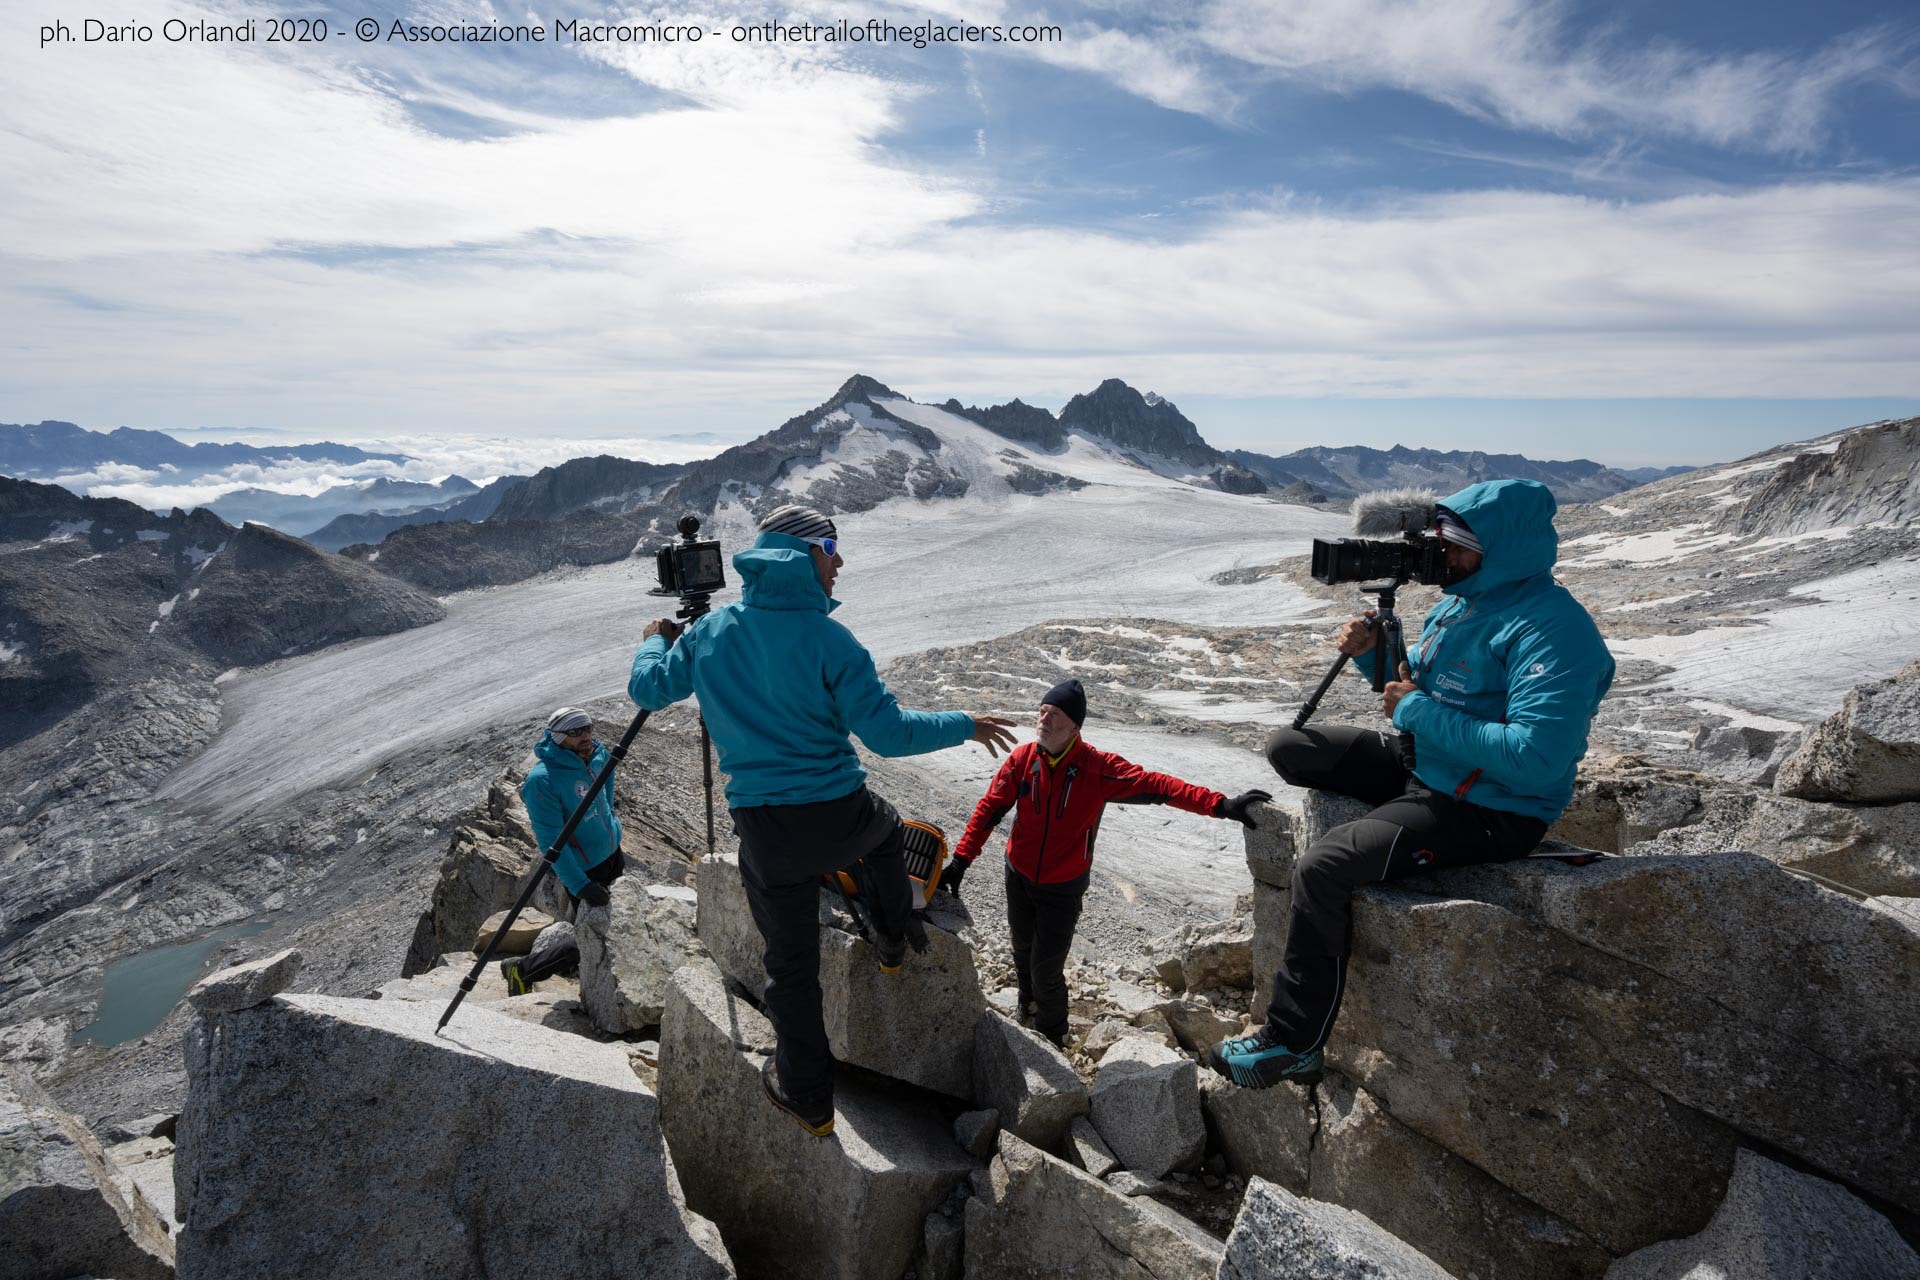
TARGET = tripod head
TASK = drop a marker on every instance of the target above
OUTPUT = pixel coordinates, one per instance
(1383, 594)
(691, 570)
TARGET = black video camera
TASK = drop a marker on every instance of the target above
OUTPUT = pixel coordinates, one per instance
(1412, 556)
(1415, 558)
(690, 567)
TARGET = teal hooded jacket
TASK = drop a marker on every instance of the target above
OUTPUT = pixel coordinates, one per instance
(782, 686)
(553, 789)
(1509, 667)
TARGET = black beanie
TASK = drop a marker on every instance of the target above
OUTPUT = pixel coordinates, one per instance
(1070, 698)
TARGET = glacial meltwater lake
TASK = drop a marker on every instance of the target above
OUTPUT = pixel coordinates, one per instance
(139, 991)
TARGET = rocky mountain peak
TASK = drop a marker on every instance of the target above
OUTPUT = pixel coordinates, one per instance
(1115, 411)
(1867, 474)
(262, 547)
(861, 387)
(1017, 421)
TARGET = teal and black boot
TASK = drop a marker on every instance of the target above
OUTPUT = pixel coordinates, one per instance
(1259, 1062)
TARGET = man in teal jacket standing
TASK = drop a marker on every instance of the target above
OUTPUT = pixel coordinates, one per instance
(1499, 694)
(782, 686)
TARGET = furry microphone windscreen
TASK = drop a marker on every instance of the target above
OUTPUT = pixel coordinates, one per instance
(1389, 513)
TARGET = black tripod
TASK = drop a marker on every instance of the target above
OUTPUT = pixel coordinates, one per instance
(1389, 650)
(694, 607)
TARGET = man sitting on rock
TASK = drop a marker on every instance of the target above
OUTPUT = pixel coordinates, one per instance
(1057, 787)
(1499, 692)
(782, 686)
(569, 760)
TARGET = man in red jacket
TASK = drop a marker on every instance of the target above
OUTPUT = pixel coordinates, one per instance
(1057, 787)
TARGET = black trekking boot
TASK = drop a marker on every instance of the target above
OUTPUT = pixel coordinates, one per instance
(815, 1117)
(893, 951)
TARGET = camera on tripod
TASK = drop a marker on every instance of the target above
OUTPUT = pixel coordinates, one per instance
(690, 567)
(1412, 556)
(1415, 558)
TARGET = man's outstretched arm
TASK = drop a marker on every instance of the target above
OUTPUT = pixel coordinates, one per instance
(663, 669)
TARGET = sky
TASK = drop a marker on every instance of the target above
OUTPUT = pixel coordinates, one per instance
(1645, 234)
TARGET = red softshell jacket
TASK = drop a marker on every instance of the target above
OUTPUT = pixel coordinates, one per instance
(1057, 808)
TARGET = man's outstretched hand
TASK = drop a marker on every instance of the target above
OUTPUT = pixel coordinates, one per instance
(662, 627)
(995, 733)
(1236, 808)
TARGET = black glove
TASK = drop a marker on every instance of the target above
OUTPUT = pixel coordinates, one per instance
(595, 894)
(951, 877)
(1236, 808)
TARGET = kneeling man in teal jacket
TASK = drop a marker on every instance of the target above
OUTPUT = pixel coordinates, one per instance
(1499, 694)
(782, 686)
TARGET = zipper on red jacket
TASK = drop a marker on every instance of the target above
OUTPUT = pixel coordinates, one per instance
(1046, 821)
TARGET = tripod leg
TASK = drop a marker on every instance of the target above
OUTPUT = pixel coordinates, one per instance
(1313, 704)
(1396, 653)
(706, 772)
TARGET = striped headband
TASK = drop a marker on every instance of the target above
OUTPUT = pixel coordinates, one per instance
(565, 721)
(1453, 529)
(798, 522)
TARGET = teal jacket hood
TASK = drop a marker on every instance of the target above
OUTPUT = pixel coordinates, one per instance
(1514, 521)
(784, 688)
(1509, 668)
(553, 790)
(777, 572)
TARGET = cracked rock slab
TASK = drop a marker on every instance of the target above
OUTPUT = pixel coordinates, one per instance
(1776, 1224)
(1602, 1037)
(244, 985)
(326, 1137)
(850, 1206)
(1280, 1236)
(62, 1211)
(629, 950)
(1038, 1217)
(1146, 1105)
(1026, 1080)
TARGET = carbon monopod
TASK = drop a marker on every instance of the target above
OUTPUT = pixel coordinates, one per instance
(544, 865)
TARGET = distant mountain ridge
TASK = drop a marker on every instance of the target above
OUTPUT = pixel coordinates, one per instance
(1348, 470)
(100, 594)
(867, 444)
(42, 450)
(602, 482)
(301, 514)
(371, 526)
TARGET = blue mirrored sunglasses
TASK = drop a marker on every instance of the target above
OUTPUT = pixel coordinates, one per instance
(829, 545)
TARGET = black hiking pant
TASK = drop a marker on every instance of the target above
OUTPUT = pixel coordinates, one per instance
(1040, 921)
(1413, 830)
(784, 850)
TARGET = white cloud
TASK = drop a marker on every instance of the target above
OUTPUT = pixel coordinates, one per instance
(229, 149)
(1516, 62)
(723, 261)
(1166, 65)
(479, 459)
(1798, 290)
